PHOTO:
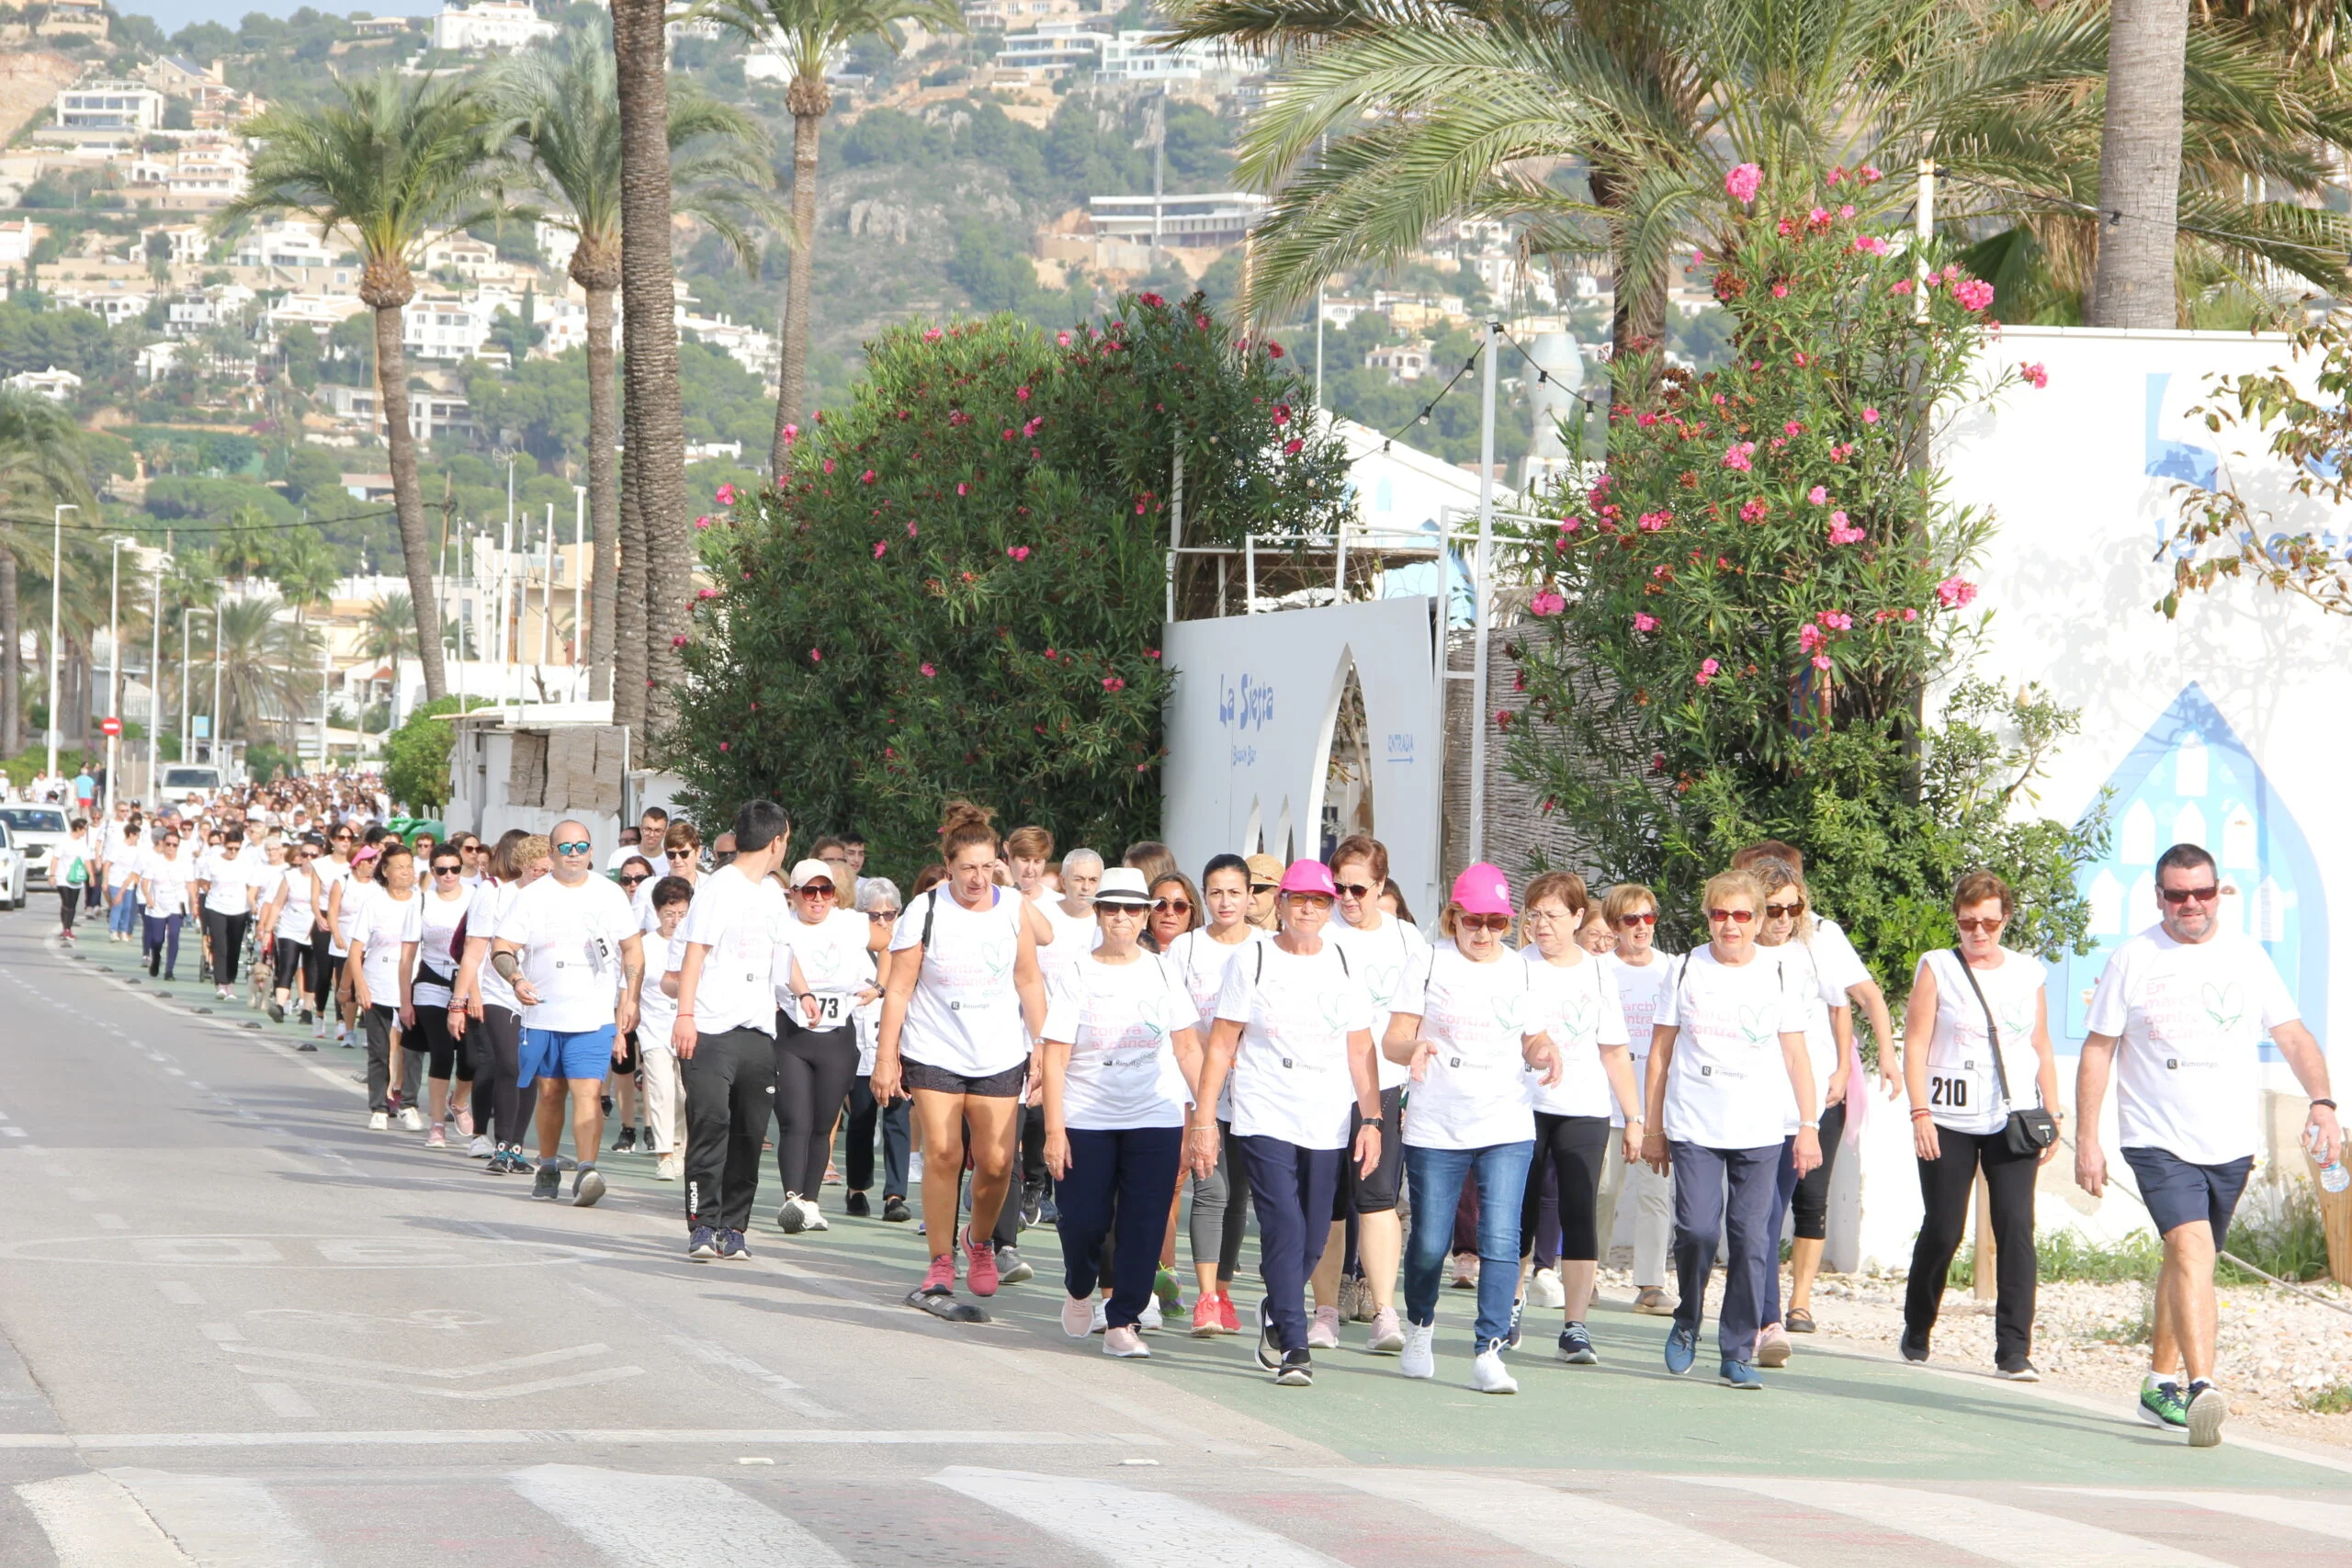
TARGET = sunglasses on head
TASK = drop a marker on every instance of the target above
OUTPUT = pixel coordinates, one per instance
(1483, 922)
(1628, 921)
(1171, 907)
(1982, 924)
(1739, 917)
(2204, 895)
(574, 847)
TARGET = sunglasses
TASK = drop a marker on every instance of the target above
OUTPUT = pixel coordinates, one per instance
(1737, 916)
(574, 847)
(2204, 895)
(1263, 887)
(881, 914)
(1103, 909)
(445, 871)
(816, 889)
(343, 838)
(631, 881)
(1783, 911)
(1355, 889)
(1320, 900)
(1171, 907)
(1628, 922)
(1483, 922)
(1994, 924)
(679, 854)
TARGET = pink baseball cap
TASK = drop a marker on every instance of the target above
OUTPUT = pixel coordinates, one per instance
(1482, 889)
(1310, 877)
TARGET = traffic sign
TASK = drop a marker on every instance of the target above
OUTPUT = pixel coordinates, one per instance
(203, 725)
(110, 727)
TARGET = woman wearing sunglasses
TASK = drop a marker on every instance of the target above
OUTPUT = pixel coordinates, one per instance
(1959, 1109)
(289, 916)
(1595, 1089)
(878, 901)
(1121, 1058)
(1728, 1046)
(1640, 967)
(824, 951)
(1469, 1028)
(1294, 1031)
(447, 900)
(1221, 1199)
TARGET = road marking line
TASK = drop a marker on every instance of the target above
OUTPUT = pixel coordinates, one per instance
(92, 1522)
(511, 1391)
(670, 1521)
(512, 1364)
(2319, 1518)
(179, 1292)
(16, 1132)
(778, 1387)
(1997, 1531)
(1122, 1525)
(111, 1222)
(1578, 1529)
(222, 1333)
(281, 1399)
(223, 1521)
(529, 1436)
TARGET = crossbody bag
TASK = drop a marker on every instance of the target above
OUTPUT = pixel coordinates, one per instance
(2028, 1132)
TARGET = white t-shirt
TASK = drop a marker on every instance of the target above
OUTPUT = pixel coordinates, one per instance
(436, 925)
(2190, 1019)
(1290, 1076)
(1963, 1092)
(570, 939)
(227, 879)
(1638, 986)
(834, 965)
(1727, 1084)
(1200, 961)
(332, 872)
(295, 921)
(491, 901)
(1479, 1016)
(740, 920)
(379, 925)
(1579, 1007)
(1119, 1020)
(1075, 936)
(966, 1015)
(1381, 959)
(1806, 980)
(169, 879)
(656, 1012)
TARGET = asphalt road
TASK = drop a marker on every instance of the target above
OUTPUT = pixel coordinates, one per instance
(242, 1330)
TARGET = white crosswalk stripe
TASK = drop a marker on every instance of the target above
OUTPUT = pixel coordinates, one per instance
(223, 1521)
(2319, 1518)
(1124, 1525)
(1997, 1531)
(1557, 1526)
(670, 1521)
(92, 1522)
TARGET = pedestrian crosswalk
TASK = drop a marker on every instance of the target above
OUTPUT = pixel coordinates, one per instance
(1362, 1516)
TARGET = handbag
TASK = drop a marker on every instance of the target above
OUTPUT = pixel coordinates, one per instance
(2028, 1132)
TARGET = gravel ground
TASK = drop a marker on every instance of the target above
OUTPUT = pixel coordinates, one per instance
(2276, 1347)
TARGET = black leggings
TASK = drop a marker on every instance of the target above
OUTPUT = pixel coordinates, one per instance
(320, 970)
(1573, 1148)
(228, 934)
(285, 964)
(1811, 1202)
(813, 1069)
(431, 1036)
(69, 902)
(494, 1040)
(1945, 1184)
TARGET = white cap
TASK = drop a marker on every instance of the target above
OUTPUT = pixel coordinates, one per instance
(809, 871)
(1123, 884)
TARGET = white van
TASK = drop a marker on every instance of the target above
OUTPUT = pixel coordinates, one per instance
(182, 779)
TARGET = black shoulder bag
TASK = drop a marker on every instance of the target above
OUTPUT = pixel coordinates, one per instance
(2028, 1132)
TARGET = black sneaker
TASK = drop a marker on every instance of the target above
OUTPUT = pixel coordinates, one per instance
(306, 1018)
(626, 1142)
(1297, 1369)
(277, 1012)
(1576, 1347)
(548, 1183)
(856, 1207)
(895, 1212)
(1915, 1346)
(702, 1244)
(1270, 1349)
(1033, 1205)
(732, 1248)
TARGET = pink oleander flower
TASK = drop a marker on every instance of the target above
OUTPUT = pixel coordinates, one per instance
(702, 522)
(1870, 416)
(1654, 522)
(961, 488)
(1818, 495)
(1870, 173)
(1974, 293)
(1818, 216)
(829, 465)
(1152, 299)
(927, 672)
(1018, 552)
(1281, 414)
(867, 477)
(878, 547)
(1793, 427)
(1062, 339)
(725, 495)
(1901, 286)
(677, 642)
(1755, 510)
(2036, 376)
(1547, 603)
(1821, 661)
(1273, 350)
(1809, 637)
(723, 746)
(1910, 614)
(1869, 244)
(1955, 592)
(911, 530)
(1022, 393)
(1838, 176)
(1644, 622)
(1835, 620)
(1845, 212)
(1788, 227)
(1743, 182)
(1112, 684)
(816, 654)
(1707, 668)
(1844, 533)
(1293, 447)
(1740, 455)
(1779, 291)
(933, 335)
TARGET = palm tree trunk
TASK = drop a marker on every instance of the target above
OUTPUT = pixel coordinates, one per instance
(603, 490)
(12, 654)
(2139, 165)
(793, 379)
(1637, 311)
(657, 432)
(629, 612)
(416, 553)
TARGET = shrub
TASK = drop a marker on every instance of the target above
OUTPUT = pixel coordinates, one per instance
(416, 755)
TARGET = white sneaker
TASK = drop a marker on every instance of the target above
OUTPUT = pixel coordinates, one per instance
(377, 1121)
(411, 1119)
(1549, 1292)
(481, 1147)
(813, 1216)
(1420, 1357)
(1100, 1322)
(666, 1169)
(914, 1167)
(1150, 1317)
(1489, 1376)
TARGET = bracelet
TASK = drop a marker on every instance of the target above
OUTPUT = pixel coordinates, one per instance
(1916, 1113)
(1373, 1121)
(2322, 1100)
(1814, 1125)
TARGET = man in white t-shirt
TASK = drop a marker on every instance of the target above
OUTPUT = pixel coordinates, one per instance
(567, 946)
(2178, 1018)
(725, 1030)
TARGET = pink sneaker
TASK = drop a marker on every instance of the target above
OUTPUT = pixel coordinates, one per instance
(1206, 1319)
(980, 1265)
(436, 1139)
(1323, 1331)
(465, 1122)
(940, 1276)
(1772, 1346)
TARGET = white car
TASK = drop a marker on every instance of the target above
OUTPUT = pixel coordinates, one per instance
(12, 871)
(190, 785)
(40, 832)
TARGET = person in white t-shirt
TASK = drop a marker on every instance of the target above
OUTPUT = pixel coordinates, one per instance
(1728, 1046)
(1069, 920)
(118, 848)
(724, 1034)
(2177, 1018)
(1965, 1004)
(566, 944)
(961, 1021)
(1294, 1031)
(444, 902)
(224, 888)
(1640, 967)
(879, 902)
(484, 1014)
(1221, 1199)
(1471, 1029)
(1121, 1061)
(167, 891)
(657, 1013)
(1840, 966)
(381, 940)
(826, 963)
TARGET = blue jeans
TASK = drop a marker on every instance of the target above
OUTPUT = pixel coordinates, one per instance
(1291, 1188)
(1700, 1178)
(1437, 1175)
(1119, 1186)
(122, 919)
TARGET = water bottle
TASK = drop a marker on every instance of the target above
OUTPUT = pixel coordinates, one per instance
(2332, 1176)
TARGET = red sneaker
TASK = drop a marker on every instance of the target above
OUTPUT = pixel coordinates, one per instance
(980, 1265)
(1231, 1319)
(940, 1276)
(1206, 1319)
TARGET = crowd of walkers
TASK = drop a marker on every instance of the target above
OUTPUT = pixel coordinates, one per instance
(1041, 1040)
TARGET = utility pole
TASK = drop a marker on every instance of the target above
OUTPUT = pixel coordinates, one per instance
(578, 576)
(114, 667)
(547, 594)
(56, 580)
(156, 685)
(1479, 717)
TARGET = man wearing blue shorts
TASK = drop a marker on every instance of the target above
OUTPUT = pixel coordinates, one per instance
(2178, 1018)
(570, 948)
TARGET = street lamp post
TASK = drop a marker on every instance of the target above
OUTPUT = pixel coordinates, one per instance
(187, 730)
(114, 665)
(56, 583)
(155, 687)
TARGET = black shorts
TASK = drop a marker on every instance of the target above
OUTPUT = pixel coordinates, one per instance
(628, 1066)
(1006, 1085)
(1376, 1193)
(2178, 1193)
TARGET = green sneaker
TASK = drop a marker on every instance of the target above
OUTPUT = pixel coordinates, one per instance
(2161, 1405)
(1163, 1285)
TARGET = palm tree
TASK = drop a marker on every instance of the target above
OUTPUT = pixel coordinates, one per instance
(269, 666)
(388, 628)
(395, 160)
(560, 128)
(808, 33)
(1437, 110)
(2138, 162)
(305, 568)
(43, 465)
